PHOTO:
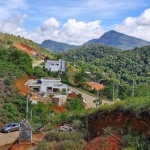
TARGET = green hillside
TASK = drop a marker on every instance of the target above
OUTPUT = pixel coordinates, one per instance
(113, 66)
(54, 46)
(15, 63)
(113, 63)
(118, 40)
(8, 40)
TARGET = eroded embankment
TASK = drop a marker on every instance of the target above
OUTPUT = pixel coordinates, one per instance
(19, 85)
(121, 119)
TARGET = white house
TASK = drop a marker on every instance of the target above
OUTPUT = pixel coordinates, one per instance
(55, 65)
(46, 85)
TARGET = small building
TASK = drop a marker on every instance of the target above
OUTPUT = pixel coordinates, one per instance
(46, 85)
(55, 65)
(59, 100)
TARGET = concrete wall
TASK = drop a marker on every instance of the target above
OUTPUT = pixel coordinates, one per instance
(54, 66)
(59, 100)
(43, 88)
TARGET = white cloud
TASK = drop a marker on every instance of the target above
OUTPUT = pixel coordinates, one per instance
(136, 26)
(72, 32)
(79, 32)
(49, 25)
(11, 25)
(144, 19)
(10, 9)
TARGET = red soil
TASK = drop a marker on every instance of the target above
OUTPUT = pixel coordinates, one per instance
(30, 51)
(72, 95)
(36, 138)
(19, 85)
(96, 86)
(16, 147)
(58, 109)
(105, 143)
(25, 48)
(121, 120)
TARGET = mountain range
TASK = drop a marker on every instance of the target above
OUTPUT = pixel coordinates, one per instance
(110, 38)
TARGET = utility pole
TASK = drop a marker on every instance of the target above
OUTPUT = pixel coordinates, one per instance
(31, 114)
(133, 89)
(97, 94)
(117, 92)
(113, 91)
(27, 106)
(60, 69)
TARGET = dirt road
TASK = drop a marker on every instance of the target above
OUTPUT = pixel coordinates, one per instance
(36, 63)
(89, 99)
(6, 138)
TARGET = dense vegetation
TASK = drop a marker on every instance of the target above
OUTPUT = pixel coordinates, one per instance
(112, 66)
(11, 66)
(14, 64)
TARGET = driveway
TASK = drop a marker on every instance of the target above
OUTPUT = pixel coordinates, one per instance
(6, 138)
(89, 99)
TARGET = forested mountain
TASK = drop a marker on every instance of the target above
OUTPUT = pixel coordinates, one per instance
(118, 40)
(54, 46)
(111, 63)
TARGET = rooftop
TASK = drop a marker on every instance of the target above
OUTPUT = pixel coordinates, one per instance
(59, 96)
(48, 78)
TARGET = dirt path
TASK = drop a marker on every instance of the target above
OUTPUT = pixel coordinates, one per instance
(36, 63)
(6, 138)
(89, 99)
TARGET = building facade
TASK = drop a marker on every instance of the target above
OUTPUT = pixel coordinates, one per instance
(55, 65)
(47, 85)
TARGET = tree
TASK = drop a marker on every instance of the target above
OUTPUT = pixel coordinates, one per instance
(98, 102)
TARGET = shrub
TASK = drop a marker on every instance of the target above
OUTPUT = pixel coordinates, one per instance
(67, 145)
(44, 145)
(61, 136)
(133, 140)
(65, 140)
(74, 104)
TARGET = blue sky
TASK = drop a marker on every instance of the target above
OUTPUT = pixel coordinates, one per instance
(74, 21)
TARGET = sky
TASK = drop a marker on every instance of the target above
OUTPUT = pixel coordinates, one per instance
(74, 21)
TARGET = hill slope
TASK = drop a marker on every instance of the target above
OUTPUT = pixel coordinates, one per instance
(28, 46)
(108, 62)
(16, 61)
(56, 46)
(118, 40)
